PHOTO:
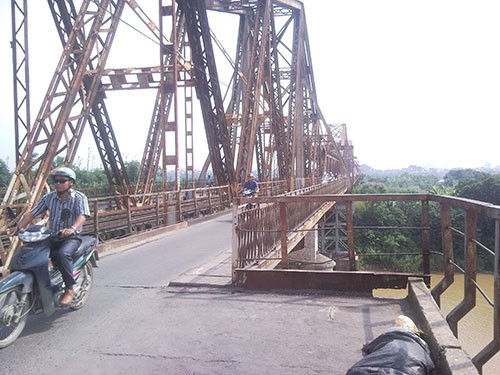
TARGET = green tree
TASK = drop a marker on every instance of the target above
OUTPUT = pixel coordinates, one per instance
(5, 174)
(133, 170)
(93, 178)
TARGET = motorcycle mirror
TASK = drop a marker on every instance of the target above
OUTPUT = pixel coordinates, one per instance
(65, 214)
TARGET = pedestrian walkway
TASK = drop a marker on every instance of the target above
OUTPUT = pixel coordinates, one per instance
(216, 273)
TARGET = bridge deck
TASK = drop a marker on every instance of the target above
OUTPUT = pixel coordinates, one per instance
(304, 332)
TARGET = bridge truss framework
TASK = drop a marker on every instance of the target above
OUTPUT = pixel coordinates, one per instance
(268, 120)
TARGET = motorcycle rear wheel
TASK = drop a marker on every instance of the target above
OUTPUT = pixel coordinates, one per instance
(83, 286)
(9, 304)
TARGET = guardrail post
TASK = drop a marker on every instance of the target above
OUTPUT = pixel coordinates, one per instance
(158, 209)
(195, 200)
(447, 247)
(165, 208)
(284, 237)
(469, 300)
(129, 213)
(426, 239)
(178, 215)
(210, 208)
(235, 254)
(96, 218)
(350, 236)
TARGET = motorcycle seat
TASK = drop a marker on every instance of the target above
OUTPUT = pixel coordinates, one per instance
(88, 241)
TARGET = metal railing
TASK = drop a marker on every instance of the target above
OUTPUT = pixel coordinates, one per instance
(261, 230)
(116, 216)
(260, 234)
(166, 208)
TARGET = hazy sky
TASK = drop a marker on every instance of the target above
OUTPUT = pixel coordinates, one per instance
(416, 82)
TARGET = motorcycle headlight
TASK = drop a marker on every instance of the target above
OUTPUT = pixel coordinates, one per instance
(34, 233)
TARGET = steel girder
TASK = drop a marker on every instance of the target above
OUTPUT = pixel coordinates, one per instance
(64, 14)
(168, 120)
(66, 106)
(251, 122)
(20, 59)
(273, 111)
(175, 71)
(208, 90)
(262, 119)
(256, 107)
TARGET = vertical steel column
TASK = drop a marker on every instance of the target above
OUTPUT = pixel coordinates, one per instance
(168, 95)
(20, 67)
(168, 89)
(153, 150)
(426, 239)
(447, 248)
(350, 235)
(63, 113)
(208, 90)
(187, 88)
(469, 300)
(64, 14)
(284, 234)
(251, 117)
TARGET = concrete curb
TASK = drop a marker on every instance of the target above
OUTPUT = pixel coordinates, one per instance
(115, 246)
(451, 358)
(141, 238)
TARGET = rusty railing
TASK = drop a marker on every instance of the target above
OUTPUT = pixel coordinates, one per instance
(264, 233)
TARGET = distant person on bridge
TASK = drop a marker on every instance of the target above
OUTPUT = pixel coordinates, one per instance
(250, 184)
(64, 245)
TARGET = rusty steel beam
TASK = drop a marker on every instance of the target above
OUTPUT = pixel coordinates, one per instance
(447, 248)
(64, 15)
(272, 112)
(360, 281)
(469, 300)
(164, 106)
(255, 79)
(20, 66)
(208, 90)
(63, 113)
(168, 120)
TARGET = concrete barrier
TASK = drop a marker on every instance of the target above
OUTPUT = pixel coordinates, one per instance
(446, 350)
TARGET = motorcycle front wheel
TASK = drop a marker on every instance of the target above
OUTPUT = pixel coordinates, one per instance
(83, 286)
(13, 316)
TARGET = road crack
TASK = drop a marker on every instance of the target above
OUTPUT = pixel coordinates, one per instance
(159, 356)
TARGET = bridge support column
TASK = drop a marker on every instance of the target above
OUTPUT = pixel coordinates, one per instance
(307, 256)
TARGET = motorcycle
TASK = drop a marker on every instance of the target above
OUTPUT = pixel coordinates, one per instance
(34, 285)
(248, 193)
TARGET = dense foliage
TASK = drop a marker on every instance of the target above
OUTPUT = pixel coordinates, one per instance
(4, 174)
(467, 183)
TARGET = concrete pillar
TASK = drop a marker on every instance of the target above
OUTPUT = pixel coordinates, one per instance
(308, 256)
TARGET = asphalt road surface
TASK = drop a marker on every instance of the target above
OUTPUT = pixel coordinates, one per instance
(134, 324)
(124, 316)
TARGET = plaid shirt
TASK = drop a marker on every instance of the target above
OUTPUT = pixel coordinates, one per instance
(76, 202)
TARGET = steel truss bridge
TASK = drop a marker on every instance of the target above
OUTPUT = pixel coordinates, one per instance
(268, 120)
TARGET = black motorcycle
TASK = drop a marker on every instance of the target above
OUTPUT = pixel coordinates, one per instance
(248, 193)
(34, 285)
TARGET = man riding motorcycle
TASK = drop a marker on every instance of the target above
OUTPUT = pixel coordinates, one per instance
(64, 246)
(250, 183)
